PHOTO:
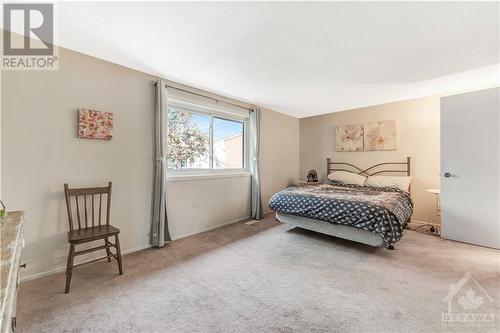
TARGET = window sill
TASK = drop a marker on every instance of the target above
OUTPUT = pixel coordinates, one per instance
(182, 177)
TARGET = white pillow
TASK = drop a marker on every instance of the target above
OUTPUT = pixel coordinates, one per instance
(401, 182)
(346, 177)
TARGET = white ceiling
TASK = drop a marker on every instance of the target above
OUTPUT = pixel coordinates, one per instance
(301, 59)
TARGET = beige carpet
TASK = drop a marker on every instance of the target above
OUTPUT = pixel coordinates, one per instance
(265, 277)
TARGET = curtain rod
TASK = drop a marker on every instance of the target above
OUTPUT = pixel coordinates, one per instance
(212, 98)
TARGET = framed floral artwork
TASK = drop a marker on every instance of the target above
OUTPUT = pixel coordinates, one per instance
(96, 125)
(349, 137)
(380, 135)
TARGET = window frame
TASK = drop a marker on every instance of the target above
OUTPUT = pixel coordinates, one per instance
(211, 113)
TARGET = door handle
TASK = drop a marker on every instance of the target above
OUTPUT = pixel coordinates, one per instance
(447, 175)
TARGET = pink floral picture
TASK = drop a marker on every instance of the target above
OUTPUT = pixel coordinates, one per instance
(95, 125)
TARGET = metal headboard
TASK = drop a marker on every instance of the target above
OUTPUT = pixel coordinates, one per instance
(371, 171)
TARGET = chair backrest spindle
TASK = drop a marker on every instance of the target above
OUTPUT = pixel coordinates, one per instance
(78, 212)
(108, 204)
(100, 204)
(93, 224)
(85, 204)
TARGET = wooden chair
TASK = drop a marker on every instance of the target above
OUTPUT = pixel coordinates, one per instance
(84, 233)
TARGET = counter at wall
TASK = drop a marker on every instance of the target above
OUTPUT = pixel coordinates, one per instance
(12, 242)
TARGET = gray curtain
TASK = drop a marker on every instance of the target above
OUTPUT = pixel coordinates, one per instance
(254, 163)
(159, 228)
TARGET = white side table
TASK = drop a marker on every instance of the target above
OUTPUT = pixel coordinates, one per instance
(435, 226)
(436, 192)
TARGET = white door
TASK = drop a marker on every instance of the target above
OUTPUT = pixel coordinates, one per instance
(470, 169)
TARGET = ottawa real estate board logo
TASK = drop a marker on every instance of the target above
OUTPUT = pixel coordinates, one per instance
(28, 37)
(469, 305)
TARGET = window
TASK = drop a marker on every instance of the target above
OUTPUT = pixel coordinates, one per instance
(188, 140)
(228, 144)
(198, 140)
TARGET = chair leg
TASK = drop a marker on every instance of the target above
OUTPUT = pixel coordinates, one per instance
(118, 254)
(108, 252)
(69, 267)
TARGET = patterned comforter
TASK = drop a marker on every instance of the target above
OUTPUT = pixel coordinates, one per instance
(384, 211)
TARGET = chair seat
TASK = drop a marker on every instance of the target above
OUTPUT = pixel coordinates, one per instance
(92, 233)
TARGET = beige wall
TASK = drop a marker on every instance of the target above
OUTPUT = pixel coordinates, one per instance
(40, 152)
(201, 204)
(279, 154)
(418, 137)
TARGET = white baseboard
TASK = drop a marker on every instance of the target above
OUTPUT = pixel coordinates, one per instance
(132, 250)
(210, 228)
(269, 211)
(63, 268)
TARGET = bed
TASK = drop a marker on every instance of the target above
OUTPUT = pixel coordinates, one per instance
(371, 215)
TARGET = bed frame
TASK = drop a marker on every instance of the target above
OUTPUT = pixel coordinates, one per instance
(371, 171)
(342, 231)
